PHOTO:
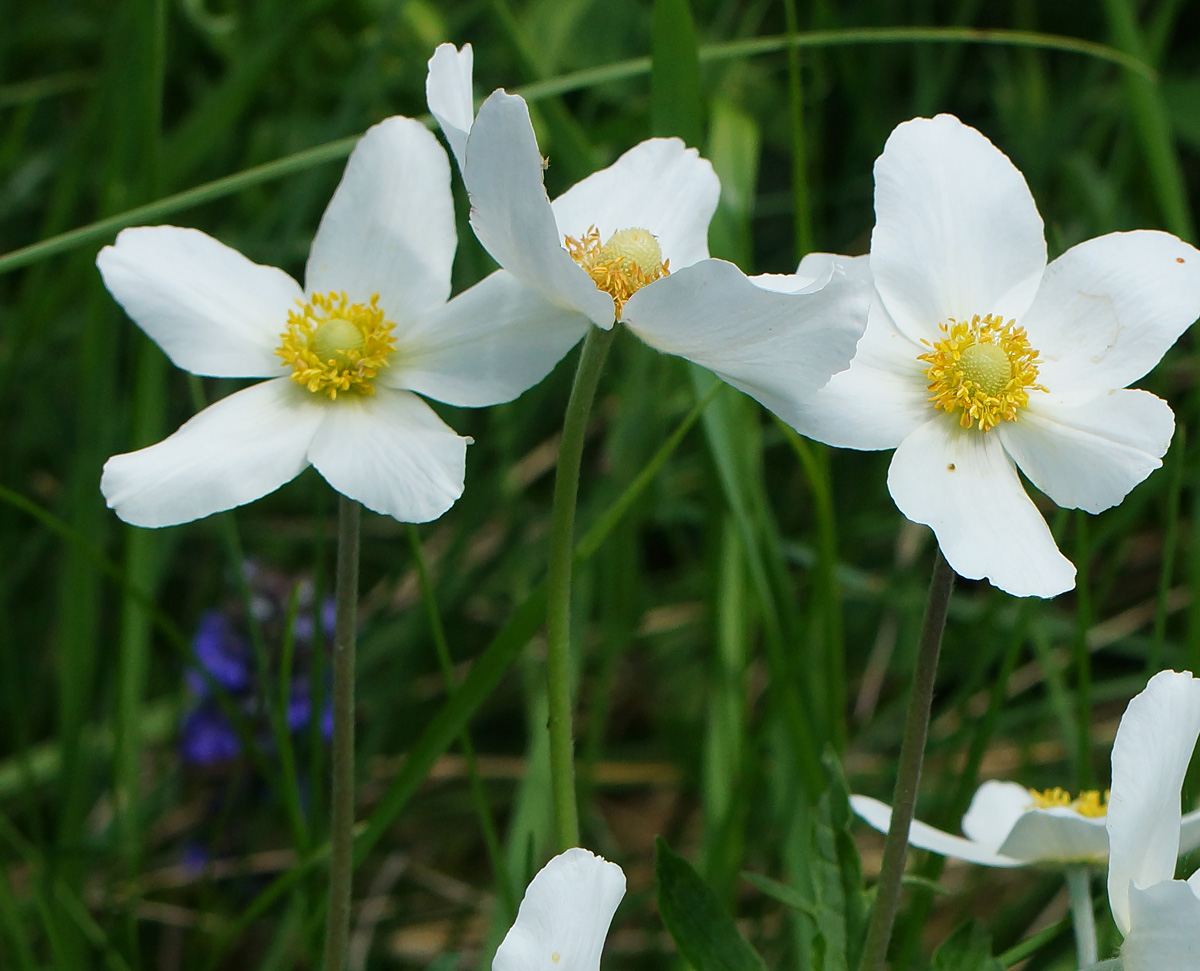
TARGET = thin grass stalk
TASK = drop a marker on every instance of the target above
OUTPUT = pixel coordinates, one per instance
(558, 583)
(487, 824)
(1082, 656)
(341, 822)
(912, 752)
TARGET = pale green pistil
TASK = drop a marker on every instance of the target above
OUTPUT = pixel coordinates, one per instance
(988, 366)
(338, 342)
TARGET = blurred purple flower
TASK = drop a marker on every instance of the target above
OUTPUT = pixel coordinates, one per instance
(207, 738)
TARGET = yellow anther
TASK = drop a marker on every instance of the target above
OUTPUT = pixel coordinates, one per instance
(337, 347)
(984, 367)
(1090, 802)
(620, 267)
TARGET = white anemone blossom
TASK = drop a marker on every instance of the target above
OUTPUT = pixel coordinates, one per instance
(345, 357)
(1008, 825)
(564, 916)
(979, 359)
(1158, 915)
(629, 243)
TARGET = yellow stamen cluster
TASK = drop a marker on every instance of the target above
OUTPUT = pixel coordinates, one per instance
(629, 260)
(985, 367)
(1091, 802)
(336, 347)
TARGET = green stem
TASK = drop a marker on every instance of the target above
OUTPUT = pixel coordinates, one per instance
(912, 751)
(1083, 915)
(558, 583)
(341, 823)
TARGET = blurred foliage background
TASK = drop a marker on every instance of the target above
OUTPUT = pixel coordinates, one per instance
(757, 602)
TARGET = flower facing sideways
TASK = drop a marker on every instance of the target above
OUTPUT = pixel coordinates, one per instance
(346, 357)
(630, 243)
(564, 916)
(1158, 915)
(1008, 825)
(979, 359)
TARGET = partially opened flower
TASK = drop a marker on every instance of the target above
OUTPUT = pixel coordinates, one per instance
(1008, 825)
(346, 356)
(1158, 915)
(630, 243)
(564, 916)
(979, 359)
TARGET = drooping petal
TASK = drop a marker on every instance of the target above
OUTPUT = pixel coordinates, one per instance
(487, 345)
(1109, 309)
(448, 94)
(564, 916)
(875, 403)
(1150, 757)
(235, 451)
(213, 312)
(1086, 451)
(879, 816)
(994, 811)
(1165, 935)
(511, 214)
(771, 345)
(956, 230)
(389, 228)
(660, 186)
(1057, 835)
(962, 484)
(391, 452)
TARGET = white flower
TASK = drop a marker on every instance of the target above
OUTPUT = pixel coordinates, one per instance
(630, 243)
(344, 355)
(1008, 825)
(564, 916)
(1158, 915)
(979, 359)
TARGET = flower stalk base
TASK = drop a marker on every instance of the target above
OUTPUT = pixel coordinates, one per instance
(912, 752)
(341, 824)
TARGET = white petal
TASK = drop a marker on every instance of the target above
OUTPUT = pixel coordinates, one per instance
(994, 811)
(389, 228)
(1150, 756)
(511, 214)
(771, 345)
(1189, 832)
(660, 186)
(485, 346)
(211, 310)
(879, 816)
(1086, 451)
(564, 916)
(1166, 929)
(448, 94)
(1057, 835)
(876, 403)
(814, 271)
(1109, 309)
(962, 484)
(233, 452)
(956, 232)
(391, 453)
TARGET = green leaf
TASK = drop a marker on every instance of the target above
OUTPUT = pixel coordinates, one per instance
(968, 949)
(703, 932)
(678, 108)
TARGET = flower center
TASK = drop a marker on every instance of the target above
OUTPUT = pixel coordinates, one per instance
(335, 346)
(1090, 802)
(984, 367)
(629, 260)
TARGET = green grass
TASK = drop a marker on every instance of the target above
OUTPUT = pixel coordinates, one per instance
(744, 599)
